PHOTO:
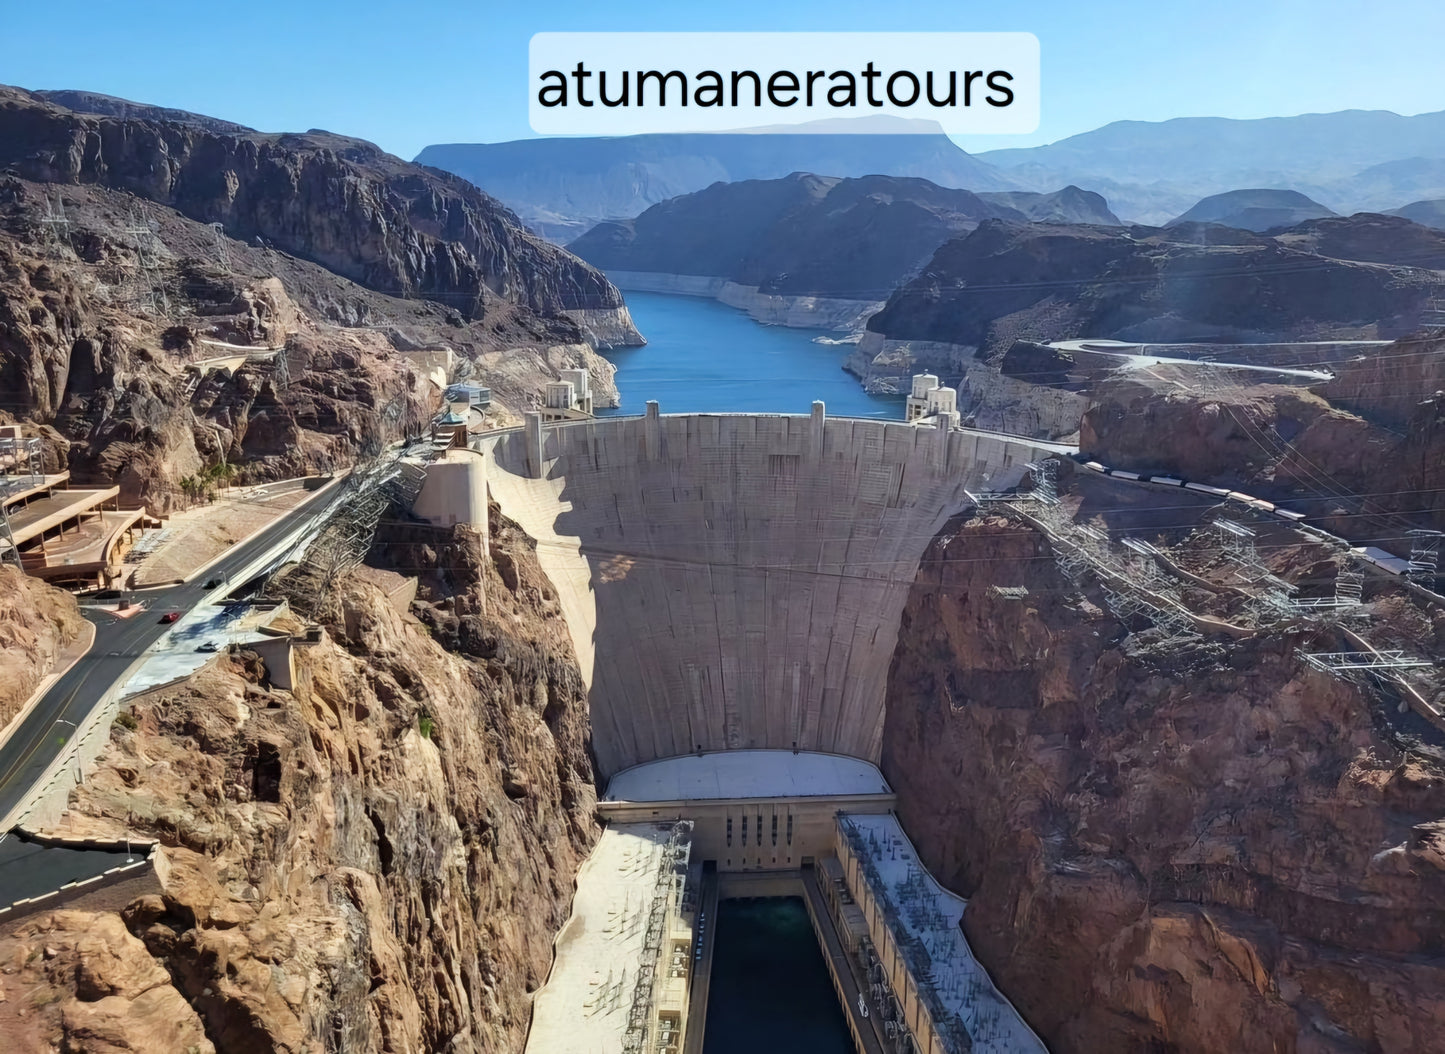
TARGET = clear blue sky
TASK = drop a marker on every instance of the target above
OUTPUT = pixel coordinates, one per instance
(405, 75)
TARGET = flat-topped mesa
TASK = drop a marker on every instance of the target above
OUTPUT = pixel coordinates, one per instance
(736, 581)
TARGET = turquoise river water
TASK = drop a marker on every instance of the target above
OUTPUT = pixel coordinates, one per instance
(770, 987)
(703, 356)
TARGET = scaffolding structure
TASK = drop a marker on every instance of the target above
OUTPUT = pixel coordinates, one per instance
(1347, 597)
(1132, 582)
(21, 467)
(1237, 541)
(1383, 662)
(346, 536)
(1424, 554)
(1434, 312)
(223, 255)
(21, 462)
(669, 894)
(1045, 477)
(57, 224)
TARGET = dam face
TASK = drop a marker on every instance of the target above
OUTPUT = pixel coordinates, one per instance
(736, 581)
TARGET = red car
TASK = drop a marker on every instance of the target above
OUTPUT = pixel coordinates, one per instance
(170, 616)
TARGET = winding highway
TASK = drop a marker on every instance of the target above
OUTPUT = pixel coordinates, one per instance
(120, 644)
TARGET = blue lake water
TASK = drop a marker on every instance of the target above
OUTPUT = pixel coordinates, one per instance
(704, 356)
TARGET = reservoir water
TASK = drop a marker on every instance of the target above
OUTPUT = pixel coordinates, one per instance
(770, 986)
(703, 356)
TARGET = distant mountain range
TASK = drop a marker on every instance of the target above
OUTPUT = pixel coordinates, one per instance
(1351, 161)
(1429, 213)
(1150, 172)
(563, 187)
(807, 235)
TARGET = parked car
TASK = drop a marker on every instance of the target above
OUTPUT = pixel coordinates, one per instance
(210, 645)
(212, 583)
(170, 616)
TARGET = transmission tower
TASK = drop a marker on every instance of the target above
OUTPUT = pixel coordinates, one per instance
(281, 371)
(148, 255)
(1045, 475)
(7, 539)
(223, 255)
(57, 224)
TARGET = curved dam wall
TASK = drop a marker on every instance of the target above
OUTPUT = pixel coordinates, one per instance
(736, 581)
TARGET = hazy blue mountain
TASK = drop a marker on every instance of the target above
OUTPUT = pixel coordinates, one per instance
(1389, 185)
(1426, 213)
(562, 187)
(1351, 160)
(1070, 205)
(1254, 210)
(803, 235)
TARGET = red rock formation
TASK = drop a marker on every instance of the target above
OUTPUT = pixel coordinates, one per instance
(1193, 848)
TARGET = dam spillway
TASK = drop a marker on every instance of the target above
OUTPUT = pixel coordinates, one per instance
(735, 581)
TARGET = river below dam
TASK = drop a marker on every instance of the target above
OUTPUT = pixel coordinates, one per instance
(770, 985)
(702, 356)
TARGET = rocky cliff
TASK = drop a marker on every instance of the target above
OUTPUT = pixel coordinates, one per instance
(375, 861)
(1167, 847)
(801, 236)
(343, 203)
(111, 307)
(36, 622)
(1007, 282)
(1358, 449)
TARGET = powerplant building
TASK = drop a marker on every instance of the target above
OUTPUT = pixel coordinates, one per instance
(733, 586)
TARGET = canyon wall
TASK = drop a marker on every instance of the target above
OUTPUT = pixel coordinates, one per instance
(1166, 847)
(988, 397)
(37, 621)
(377, 860)
(343, 203)
(735, 581)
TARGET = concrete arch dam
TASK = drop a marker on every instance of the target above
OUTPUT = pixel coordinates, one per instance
(736, 581)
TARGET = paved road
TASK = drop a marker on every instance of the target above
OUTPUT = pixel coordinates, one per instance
(29, 870)
(118, 644)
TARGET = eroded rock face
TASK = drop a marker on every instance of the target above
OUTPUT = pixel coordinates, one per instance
(85, 973)
(1197, 848)
(375, 862)
(1008, 281)
(88, 351)
(343, 203)
(36, 622)
(1376, 429)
